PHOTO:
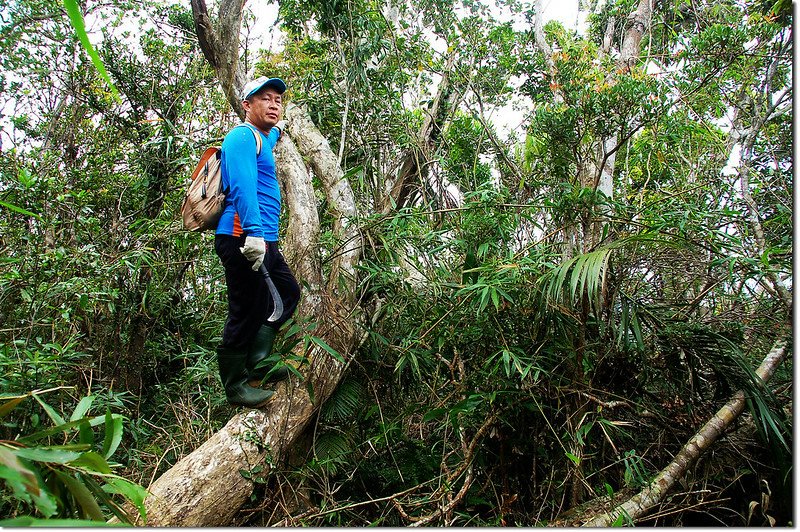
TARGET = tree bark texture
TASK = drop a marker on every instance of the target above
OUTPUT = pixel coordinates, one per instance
(220, 45)
(325, 165)
(654, 492)
(206, 487)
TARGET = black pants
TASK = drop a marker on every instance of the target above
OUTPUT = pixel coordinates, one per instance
(249, 299)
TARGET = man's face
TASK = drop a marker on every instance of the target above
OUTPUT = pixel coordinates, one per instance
(264, 109)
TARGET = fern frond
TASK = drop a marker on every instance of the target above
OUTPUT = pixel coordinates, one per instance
(345, 402)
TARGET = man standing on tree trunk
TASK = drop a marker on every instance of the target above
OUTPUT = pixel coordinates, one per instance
(246, 238)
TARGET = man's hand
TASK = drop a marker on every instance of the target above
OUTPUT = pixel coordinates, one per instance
(254, 249)
(281, 125)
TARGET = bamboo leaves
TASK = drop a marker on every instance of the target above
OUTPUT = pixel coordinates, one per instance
(68, 479)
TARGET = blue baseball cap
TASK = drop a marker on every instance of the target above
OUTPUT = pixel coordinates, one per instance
(256, 85)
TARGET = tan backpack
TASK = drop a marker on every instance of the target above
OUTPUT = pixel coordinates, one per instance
(205, 200)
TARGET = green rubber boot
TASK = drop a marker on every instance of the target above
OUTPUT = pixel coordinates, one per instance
(259, 350)
(234, 379)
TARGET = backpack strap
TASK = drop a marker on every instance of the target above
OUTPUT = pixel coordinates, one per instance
(256, 134)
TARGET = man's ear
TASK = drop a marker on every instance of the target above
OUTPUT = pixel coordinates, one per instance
(246, 106)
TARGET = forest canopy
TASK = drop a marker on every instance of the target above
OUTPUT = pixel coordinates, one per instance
(536, 262)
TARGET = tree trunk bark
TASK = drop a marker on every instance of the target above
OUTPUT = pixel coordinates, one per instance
(654, 492)
(220, 45)
(599, 173)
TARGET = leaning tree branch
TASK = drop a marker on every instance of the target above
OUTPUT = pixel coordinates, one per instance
(655, 492)
(415, 160)
(341, 199)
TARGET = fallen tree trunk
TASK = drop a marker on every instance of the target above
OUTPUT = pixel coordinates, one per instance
(206, 487)
(654, 492)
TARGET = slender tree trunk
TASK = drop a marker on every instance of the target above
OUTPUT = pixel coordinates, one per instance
(599, 171)
(654, 492)
(415, 160)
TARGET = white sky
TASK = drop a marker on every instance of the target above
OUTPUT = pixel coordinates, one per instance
(506, 119)
(565, 11)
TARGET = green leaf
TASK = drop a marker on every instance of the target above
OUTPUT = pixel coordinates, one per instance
(89, 506)
(19, 210)
(92, 461)
(47, 454)
(333, 352)
(57, 419)
(76, 18)
(575, 459)
(86, 434)
(131, 491)
(310, 390)
(434, 414)
(82, 408)
(113, 435)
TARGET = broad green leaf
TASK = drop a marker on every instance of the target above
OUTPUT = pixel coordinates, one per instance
(20, 210)
(102, 495)
(434, 414)
(135, 493)
(57, 419)
(333, 352)
(113, 435)
(86, 434)
(92, 461)
(82, 408)
(47, 454)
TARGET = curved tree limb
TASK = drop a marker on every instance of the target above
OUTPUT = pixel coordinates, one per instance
(654, 492)
(415, 159)
(341, 199)
(220, 45)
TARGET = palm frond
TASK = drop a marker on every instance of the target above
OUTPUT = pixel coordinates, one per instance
(345, 402)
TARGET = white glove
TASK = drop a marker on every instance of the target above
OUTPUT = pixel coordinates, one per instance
(281, 125)
(254, 249)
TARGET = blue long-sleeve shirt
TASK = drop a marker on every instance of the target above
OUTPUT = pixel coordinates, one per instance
(253, 203)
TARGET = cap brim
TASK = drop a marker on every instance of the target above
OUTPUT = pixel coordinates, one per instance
(275, 83)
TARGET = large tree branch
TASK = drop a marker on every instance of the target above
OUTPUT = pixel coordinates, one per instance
(415, 159)
(654, 492)
(220, 45)
(341, 199)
